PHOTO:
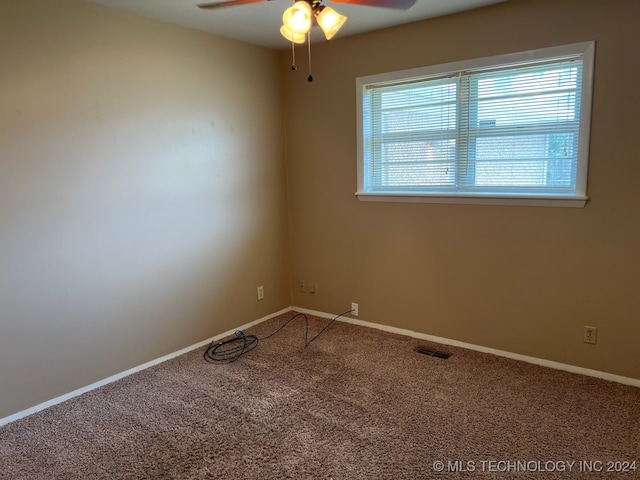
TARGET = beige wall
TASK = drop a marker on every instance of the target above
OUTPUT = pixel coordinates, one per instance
(520, 279)
(143, 196)
(142, 193)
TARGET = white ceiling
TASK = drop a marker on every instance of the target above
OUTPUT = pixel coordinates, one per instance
(259, 23)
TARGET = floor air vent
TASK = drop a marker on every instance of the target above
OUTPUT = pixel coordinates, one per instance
(432, 353)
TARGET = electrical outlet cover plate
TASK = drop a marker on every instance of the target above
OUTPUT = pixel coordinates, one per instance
(260, 292)
(590, 334)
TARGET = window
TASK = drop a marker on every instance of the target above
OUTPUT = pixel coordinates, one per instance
(511, 129)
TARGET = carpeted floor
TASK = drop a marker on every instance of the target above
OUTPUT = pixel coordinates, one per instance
(356, 404)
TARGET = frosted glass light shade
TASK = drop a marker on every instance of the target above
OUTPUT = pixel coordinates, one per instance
(297, 18)
(292, 37)
(330, 21)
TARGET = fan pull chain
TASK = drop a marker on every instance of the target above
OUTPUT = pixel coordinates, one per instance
(310, 77)
(293, 57)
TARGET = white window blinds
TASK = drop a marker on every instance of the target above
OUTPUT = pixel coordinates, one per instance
(499, 130)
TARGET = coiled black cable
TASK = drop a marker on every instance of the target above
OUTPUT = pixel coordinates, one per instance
(228, 351)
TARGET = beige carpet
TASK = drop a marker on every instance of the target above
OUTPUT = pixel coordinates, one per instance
(356, 404)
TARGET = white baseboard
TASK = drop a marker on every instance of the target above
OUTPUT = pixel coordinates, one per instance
(126, 373)
(479, 348)
(400, 331)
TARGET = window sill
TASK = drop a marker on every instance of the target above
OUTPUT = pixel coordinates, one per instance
(521, 200)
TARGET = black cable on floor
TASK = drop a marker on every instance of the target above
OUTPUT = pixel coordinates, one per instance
(228, 351)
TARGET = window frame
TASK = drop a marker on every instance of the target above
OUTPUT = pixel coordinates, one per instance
(578, 200)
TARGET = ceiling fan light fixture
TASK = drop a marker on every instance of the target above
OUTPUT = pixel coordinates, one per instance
(292, 37)
(330, 21)
(297, 18)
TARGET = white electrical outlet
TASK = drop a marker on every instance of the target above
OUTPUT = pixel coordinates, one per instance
(590, 334)
(354, 309)
(302, 285)
(260, 292)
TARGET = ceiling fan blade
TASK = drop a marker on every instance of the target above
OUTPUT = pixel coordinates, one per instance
(397, 4)
(231, 3)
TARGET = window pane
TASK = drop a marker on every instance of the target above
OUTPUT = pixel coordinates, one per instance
(417, 163)
(528, 79)
(527, 96)
(542, 160)
(416, 107)
(480, 127)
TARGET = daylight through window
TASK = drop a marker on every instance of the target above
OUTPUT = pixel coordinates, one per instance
(512, 129)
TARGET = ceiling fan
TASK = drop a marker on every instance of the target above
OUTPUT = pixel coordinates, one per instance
(303, 14)
(396, 4)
